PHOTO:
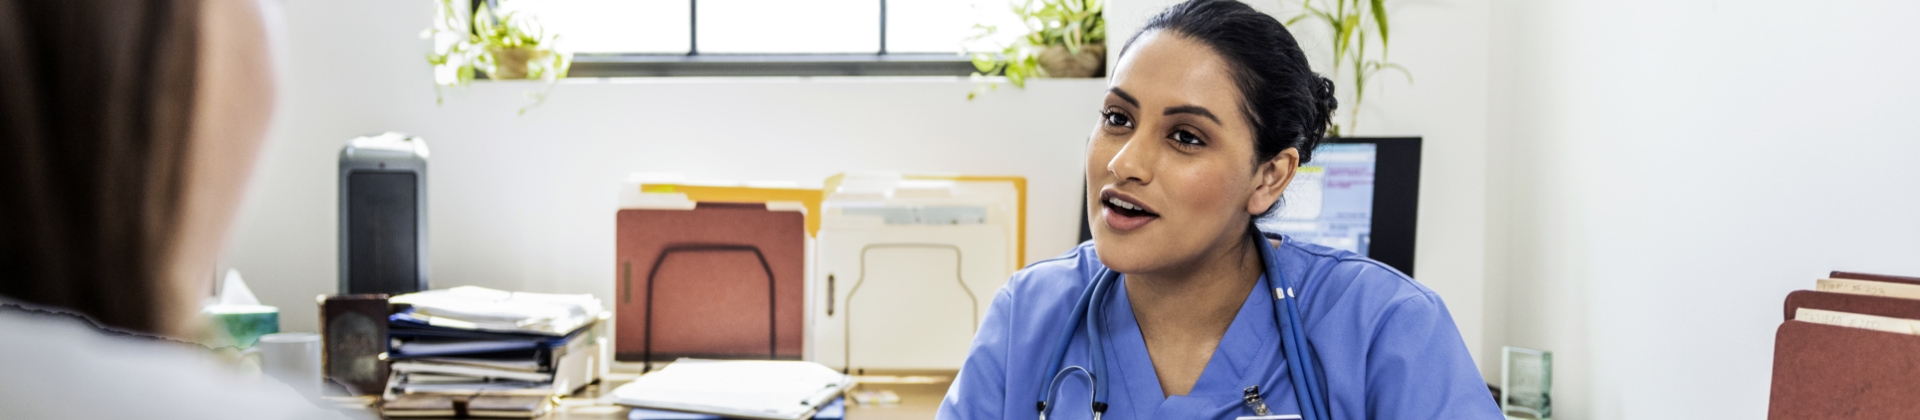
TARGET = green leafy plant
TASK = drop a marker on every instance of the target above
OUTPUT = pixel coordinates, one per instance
(1063, 37)
(511, 45)
(1353, 23)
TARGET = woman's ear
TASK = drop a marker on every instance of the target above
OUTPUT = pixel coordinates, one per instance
(1271, 178)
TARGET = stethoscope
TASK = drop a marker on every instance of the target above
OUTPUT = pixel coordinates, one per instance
(1302, 370)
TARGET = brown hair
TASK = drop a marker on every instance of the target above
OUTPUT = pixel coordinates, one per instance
(98, 96)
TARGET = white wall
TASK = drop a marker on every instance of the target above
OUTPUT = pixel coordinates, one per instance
(1669, 170)
(527, 202)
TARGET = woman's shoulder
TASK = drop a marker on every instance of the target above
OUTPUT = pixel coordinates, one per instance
(1055, 279)
(1071, 269)
(1339, 278)
(1378, 333)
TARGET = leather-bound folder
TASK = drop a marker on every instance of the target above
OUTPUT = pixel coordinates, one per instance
(1858, 304)
(1833, 372)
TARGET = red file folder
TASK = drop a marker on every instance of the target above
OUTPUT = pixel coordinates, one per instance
(721, 280)
(1834, 372)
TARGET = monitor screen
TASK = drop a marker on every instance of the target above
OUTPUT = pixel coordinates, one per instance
(1330, 201)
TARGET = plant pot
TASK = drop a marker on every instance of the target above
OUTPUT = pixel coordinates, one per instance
(512, 63)
(1056, 61)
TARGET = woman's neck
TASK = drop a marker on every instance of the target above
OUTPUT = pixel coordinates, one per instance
(1221, 277)
(1184, 314)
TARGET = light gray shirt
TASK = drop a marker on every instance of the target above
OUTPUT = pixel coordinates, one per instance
(54, 366)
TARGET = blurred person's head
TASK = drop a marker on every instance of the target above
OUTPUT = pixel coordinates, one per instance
(128, 129)
(1210, 109)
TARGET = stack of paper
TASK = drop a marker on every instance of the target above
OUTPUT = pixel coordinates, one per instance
(836, 410)
(754, 389)
(479, 308)
(469, 340)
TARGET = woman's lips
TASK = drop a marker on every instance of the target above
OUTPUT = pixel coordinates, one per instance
(1123, 212)
(1125, 223)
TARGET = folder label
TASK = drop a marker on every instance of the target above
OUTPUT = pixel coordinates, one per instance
(1871, 322)
(1871, 288)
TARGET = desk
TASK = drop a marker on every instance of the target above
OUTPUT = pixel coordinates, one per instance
(918, 401)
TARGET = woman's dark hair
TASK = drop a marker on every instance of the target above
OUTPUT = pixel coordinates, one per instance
(1286, 103)
(93, 153)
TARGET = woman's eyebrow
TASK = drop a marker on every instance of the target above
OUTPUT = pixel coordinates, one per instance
(1191, 109)
(1124, 96)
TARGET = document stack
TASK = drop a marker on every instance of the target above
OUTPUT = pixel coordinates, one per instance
(743, 389)
(475, 341)
(1848, 349)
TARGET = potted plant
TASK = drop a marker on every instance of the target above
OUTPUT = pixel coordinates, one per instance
(1353, 24)
(514, 49)
(505, 46)
(1064, 38)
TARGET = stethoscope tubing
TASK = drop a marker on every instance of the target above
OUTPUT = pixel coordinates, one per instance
(1303, 373)
(1086, 308)
(1098, 347)
(1060, 351)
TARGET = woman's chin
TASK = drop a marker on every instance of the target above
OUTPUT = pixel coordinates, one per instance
(1130, 254)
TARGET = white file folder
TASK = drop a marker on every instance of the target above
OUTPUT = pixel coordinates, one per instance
(905, 269)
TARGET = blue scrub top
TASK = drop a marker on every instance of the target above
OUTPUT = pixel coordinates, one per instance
(1387, 346)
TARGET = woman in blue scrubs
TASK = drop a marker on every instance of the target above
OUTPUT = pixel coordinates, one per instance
(1211, 109)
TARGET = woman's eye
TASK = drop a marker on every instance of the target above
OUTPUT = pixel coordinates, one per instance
(1185, 137)
(1116, 119)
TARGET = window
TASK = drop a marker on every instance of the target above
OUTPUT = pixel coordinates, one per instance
(770, 37)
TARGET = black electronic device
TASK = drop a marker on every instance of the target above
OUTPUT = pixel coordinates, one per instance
(383, 215)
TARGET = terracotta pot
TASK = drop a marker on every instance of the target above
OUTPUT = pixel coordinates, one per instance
(511, 63)
(1055, 61)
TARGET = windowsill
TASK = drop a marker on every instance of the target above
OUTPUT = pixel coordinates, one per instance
(1004, 85)
(768, 65)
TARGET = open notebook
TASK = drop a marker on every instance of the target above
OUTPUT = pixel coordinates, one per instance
(755, 389)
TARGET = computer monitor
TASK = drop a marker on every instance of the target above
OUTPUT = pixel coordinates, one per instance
(1358, 194)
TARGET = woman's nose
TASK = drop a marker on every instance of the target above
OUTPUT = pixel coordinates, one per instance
(1131, 162)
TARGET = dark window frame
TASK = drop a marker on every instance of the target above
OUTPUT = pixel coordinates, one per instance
(695, 64)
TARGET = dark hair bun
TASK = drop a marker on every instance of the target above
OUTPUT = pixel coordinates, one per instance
(1326, 103)
(1287, 104)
